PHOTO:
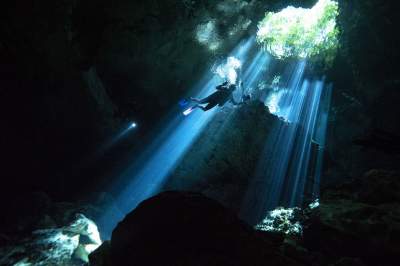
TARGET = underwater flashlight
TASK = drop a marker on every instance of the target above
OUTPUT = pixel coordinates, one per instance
(133, 125)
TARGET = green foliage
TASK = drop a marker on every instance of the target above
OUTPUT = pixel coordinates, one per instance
(301, 33)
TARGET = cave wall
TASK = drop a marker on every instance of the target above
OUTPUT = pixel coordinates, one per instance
(54, 107)
(366, 85)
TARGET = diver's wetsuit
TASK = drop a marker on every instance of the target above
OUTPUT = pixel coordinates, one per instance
(220, 97)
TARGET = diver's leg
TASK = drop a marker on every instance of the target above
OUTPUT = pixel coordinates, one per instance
(205, 100)
(195, 100)
(208, 106)
(199, 106)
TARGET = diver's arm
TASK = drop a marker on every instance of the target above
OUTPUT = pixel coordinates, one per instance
(221, 86)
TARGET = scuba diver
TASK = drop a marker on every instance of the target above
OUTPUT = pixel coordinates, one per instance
(223, 95)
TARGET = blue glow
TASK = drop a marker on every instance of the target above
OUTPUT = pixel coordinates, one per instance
(183, 103)
(284, 176)
(149, 170)
(133, 125)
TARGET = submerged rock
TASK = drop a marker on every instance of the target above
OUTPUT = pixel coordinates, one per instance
(280, 220)
(182, 228)
(225, 155)
(283, 220)
(69, 245)
(359, 220)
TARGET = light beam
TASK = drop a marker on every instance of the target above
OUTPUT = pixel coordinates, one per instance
(150, 170)
(283, 176)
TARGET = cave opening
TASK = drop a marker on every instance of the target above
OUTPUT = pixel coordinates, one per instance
(301, 32)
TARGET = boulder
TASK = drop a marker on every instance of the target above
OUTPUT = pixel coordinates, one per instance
(184, 228)
(68, 245)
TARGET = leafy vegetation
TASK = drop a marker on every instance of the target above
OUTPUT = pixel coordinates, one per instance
(300, 32)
